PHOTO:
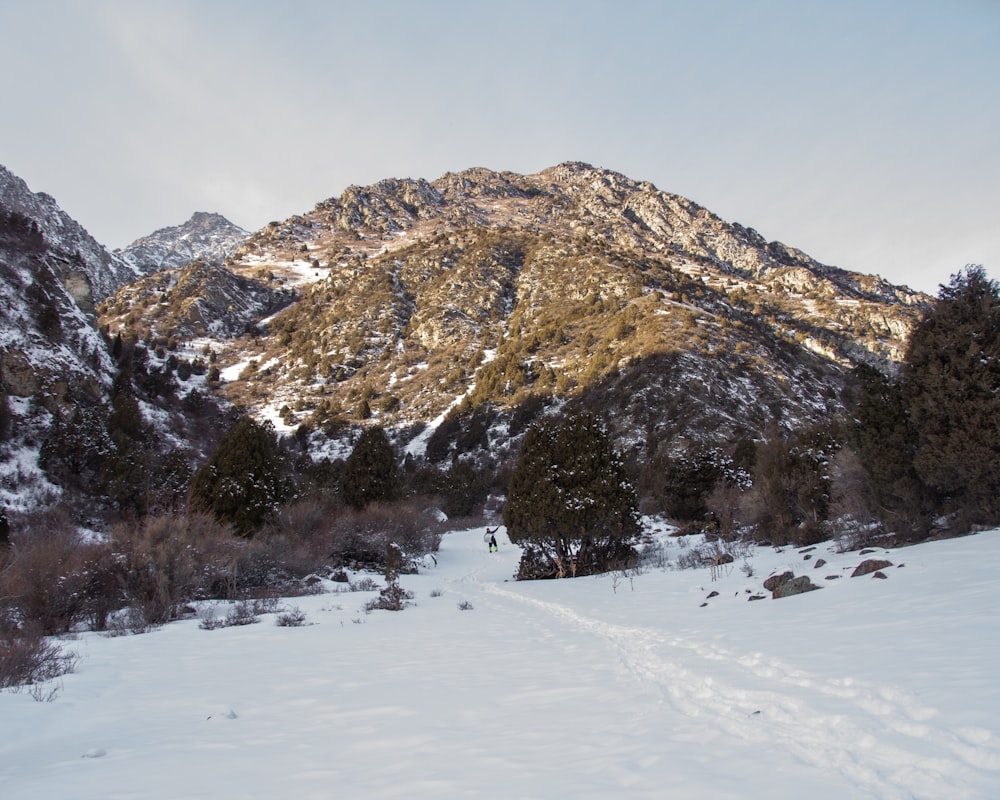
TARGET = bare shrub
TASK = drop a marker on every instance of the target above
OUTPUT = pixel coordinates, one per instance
(392, 598)
(30, 659)
(163, 564)
(360, 538)
(293, 618)
(44, 577)
(654, 555)
(127, 621)
(242, 613)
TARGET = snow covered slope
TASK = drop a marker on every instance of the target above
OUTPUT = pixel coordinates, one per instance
(606, 687)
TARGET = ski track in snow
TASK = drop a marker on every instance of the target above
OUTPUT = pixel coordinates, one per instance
(887, 745)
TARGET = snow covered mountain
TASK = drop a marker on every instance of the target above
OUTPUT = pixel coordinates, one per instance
(495, 294)
(58, 371)
(204, 237)
(89, 272)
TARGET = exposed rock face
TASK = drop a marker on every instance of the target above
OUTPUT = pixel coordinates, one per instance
(205, 237)
(51, 350)
(199, 300)
(75, 257)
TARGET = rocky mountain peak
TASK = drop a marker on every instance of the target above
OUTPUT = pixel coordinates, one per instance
(574, 284)
(206, 237)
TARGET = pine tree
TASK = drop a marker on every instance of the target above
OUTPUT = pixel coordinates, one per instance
(4, 529)
(570, 501)
(951, 386)
(243, 482)
(885, 442)
(371, 473)
(5, 415)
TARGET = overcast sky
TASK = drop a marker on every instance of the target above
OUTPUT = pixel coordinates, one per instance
(864, 132)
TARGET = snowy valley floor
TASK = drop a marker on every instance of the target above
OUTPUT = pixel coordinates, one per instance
(588, 688)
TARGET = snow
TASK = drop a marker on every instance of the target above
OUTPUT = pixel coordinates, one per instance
(599, 687)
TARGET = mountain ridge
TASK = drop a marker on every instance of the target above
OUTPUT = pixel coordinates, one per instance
(496, 289)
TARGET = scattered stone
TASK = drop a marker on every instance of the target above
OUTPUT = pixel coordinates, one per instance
(880, 574)
(870, 565)
(866, 552)
(703, 605)
(340, 577)
(806, 557)
(756, 597)
(832, 577)
(900, 566)
(775, 581)
(820, 562)
(794, 586)
(711, 595)
(807, 550)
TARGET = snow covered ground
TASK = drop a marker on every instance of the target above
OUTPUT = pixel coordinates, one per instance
(603, 687)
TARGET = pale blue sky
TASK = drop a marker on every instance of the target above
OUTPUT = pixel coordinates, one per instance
(864, 132)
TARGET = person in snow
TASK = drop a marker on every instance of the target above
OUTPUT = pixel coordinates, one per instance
(491, 540)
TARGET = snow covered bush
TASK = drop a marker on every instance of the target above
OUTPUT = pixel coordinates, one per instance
(293, 618)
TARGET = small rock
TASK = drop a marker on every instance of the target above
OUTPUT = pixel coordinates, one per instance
(703, 605)
(820, 562)
(870, 565)
(711, 595)
(806, 557)
(832, 578)
(756, 597)
(880, 574)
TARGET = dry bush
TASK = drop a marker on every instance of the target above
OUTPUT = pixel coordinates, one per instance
(169, 560)
(293, 618)
(43, 581)
(30, 658)
(360, 538)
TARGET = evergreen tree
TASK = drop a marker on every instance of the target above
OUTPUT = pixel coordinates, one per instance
(371, 473)
(243, 482)
(76, 447)
(792, 486)
(885, 443)
(126, 470)
(570, 501)
(4, 529)
(5, 415)
(951, 386)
